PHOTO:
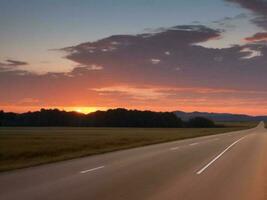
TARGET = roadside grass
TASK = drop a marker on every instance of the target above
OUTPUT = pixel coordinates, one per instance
(29, 146)
(238, 124)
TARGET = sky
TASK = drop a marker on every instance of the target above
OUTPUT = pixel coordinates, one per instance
(88, 55)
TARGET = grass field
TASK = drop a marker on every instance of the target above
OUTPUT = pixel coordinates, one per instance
(29, 146)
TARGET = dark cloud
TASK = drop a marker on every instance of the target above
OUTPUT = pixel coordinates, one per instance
(168, 57)
(259, 7)
(132, 57)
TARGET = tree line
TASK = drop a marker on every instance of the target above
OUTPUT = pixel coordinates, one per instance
(111, 118)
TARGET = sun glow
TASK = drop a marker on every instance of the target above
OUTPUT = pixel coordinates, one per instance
(78, 110)
(84, 110)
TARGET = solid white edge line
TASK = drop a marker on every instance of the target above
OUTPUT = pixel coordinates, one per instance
(93, 169)
(192, 144)
(218, 156)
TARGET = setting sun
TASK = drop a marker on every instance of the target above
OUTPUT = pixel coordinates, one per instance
(84, 110)
(78, 110)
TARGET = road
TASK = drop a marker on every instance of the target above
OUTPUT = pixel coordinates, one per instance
(231, 166)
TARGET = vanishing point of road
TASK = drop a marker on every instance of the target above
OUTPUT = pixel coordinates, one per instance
(230, 166)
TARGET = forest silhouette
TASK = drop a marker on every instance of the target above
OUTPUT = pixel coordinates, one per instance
(111, 118)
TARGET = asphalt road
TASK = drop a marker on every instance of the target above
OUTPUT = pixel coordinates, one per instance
(231, 166)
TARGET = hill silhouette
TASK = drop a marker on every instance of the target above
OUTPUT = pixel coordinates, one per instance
(219, 116)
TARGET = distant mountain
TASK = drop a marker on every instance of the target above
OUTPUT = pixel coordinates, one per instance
(219, 116)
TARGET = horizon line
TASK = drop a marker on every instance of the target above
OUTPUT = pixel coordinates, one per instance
(106, 109)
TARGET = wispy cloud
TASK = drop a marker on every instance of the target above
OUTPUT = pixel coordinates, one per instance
(258, 37)
(12, 63)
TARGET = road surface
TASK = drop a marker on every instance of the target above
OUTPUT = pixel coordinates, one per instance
(231, 166)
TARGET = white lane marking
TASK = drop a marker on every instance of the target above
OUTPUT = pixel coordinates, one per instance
(217, 157)
(213, 139)
(90, 170)
(174, 148)
(216, 139)
(194, 144)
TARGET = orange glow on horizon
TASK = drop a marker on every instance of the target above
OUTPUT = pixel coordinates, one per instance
(89, 109)
(79, 109)
(84, 110)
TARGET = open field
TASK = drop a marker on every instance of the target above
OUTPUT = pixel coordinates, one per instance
(29, 146)
(238, 124)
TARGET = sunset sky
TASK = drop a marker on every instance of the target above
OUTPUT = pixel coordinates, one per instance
(85, 55)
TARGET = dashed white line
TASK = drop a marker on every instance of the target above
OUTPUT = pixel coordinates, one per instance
(90, 170)
(174, 148)
(192, 144)
(218, 156)
(216, 139)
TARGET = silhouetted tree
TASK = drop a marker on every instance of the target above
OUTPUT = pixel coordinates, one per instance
(200, 122)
